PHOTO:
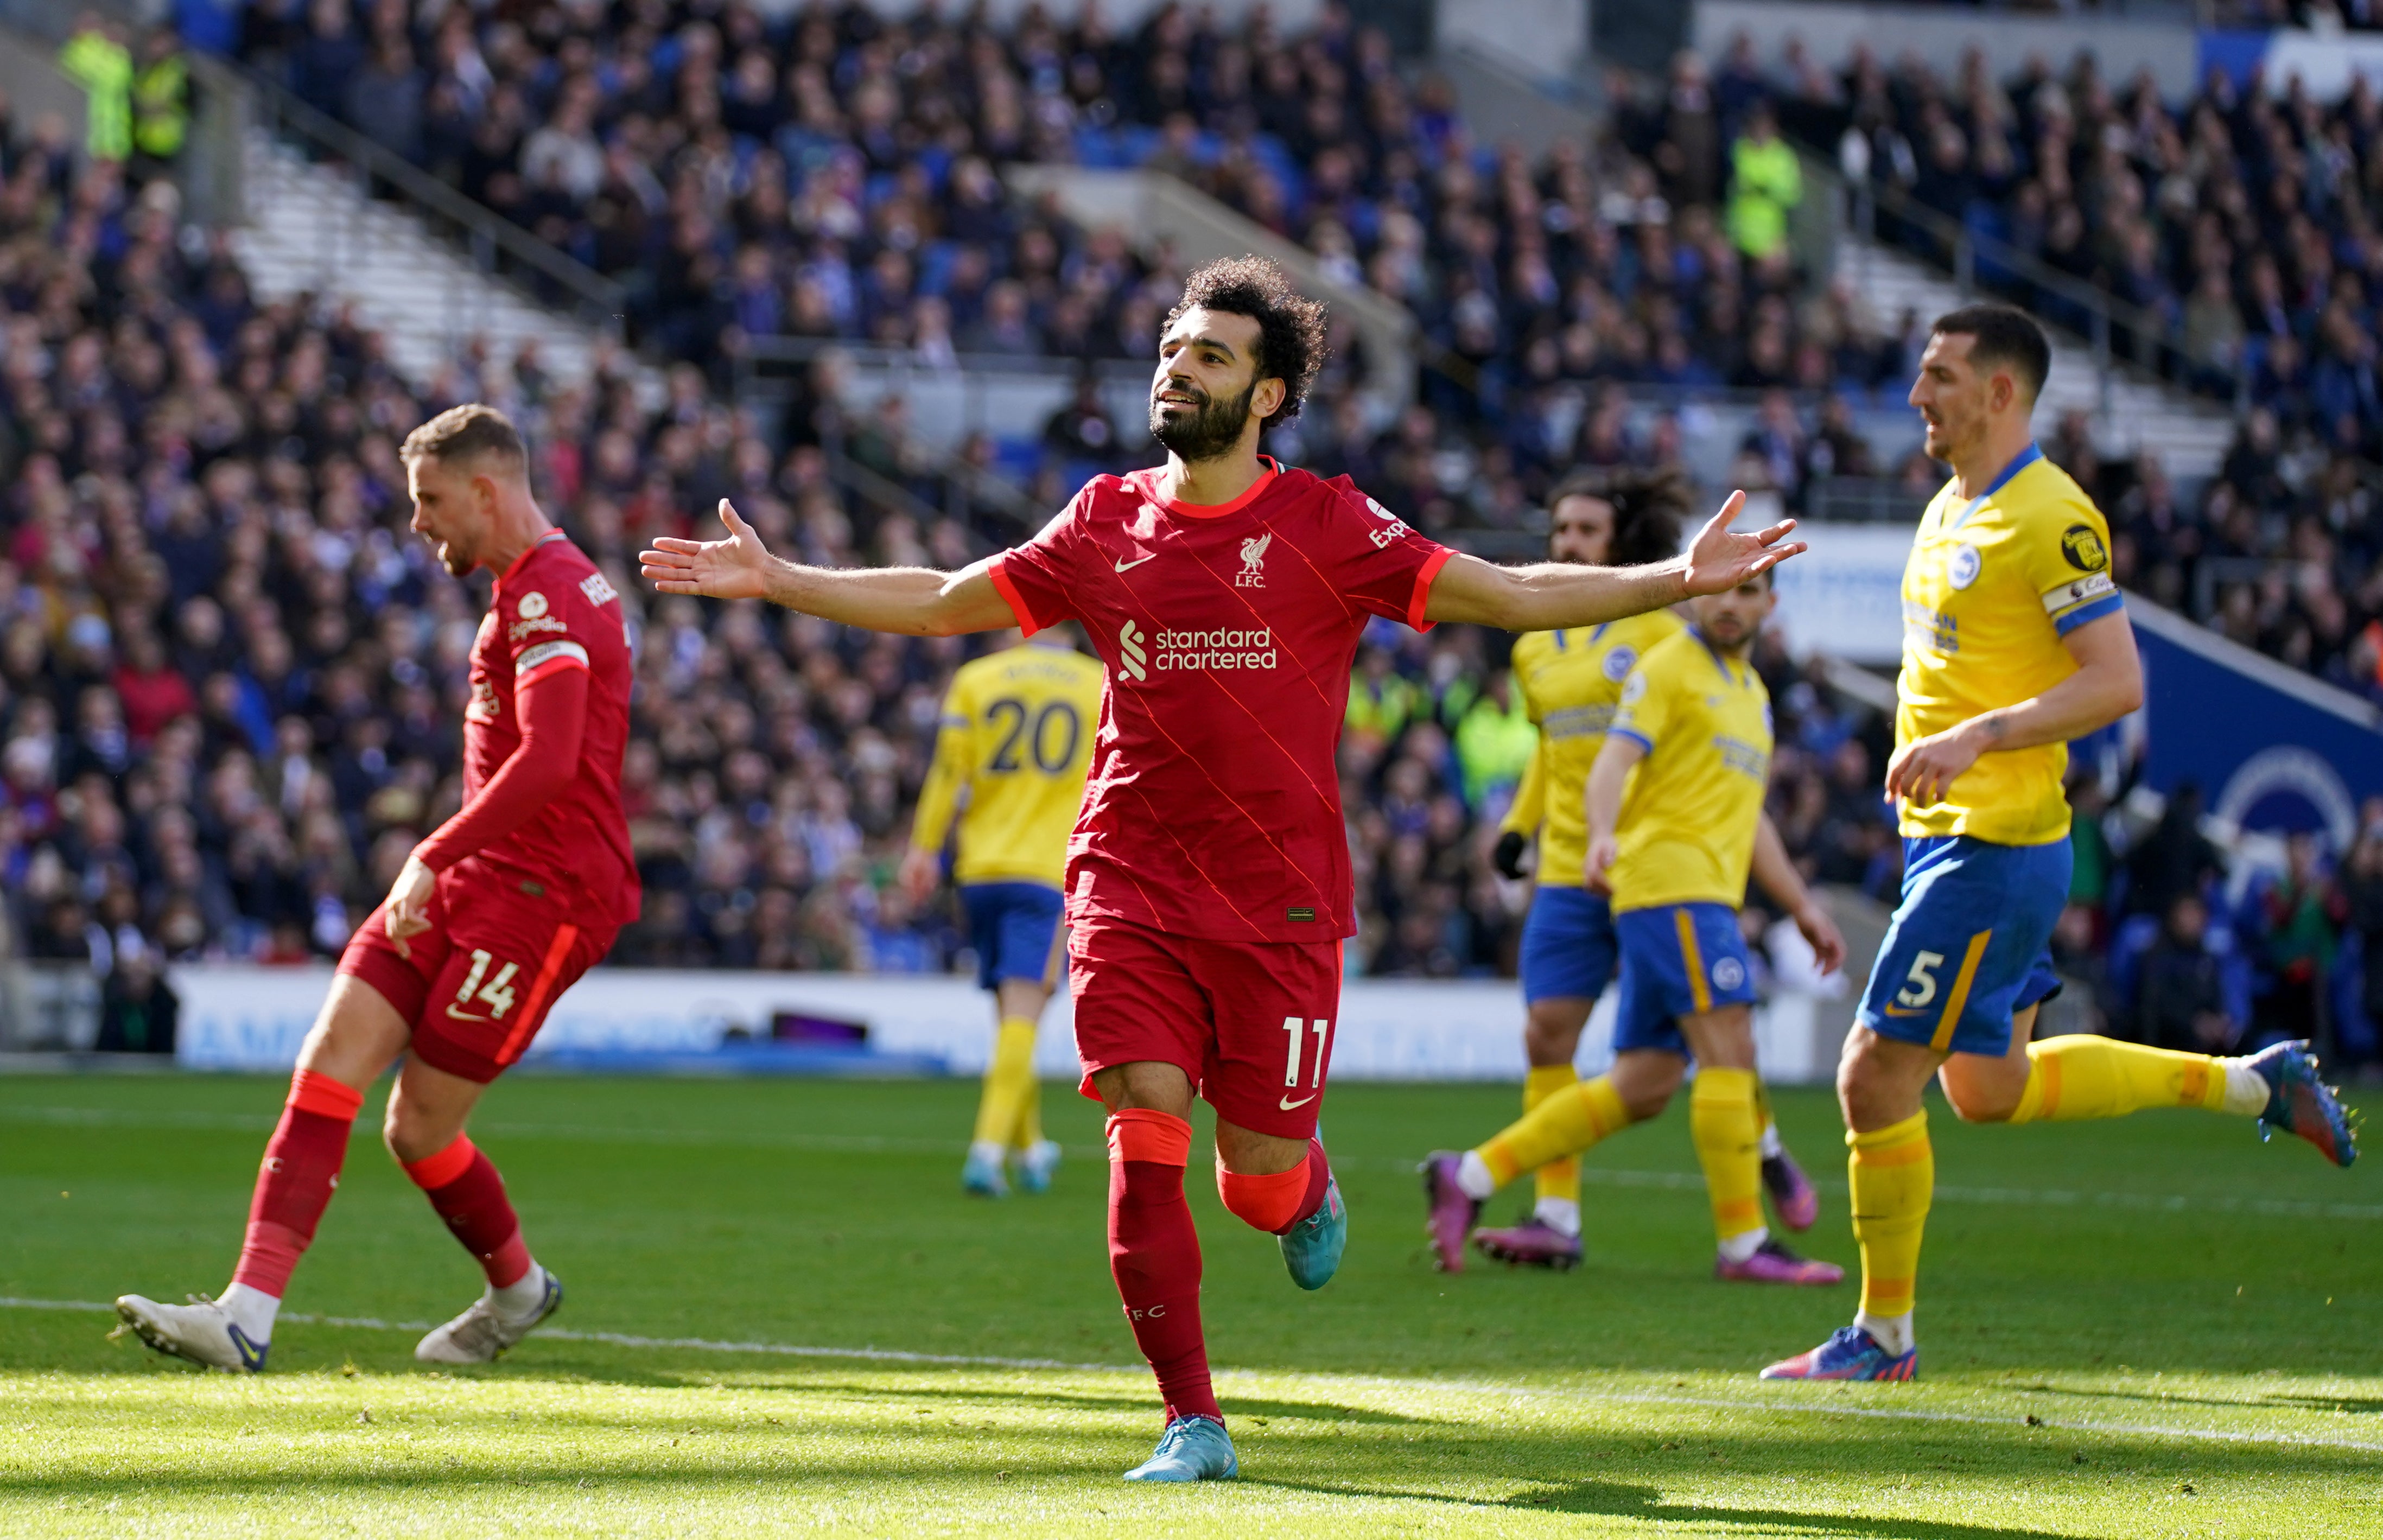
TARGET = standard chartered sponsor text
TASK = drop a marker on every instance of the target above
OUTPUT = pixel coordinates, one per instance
(1217, 650)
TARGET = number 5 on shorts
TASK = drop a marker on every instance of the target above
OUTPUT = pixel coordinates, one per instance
(1920, 986)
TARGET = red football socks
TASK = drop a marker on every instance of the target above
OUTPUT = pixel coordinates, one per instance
(462, 1184)
(1277, 1201)
(294, 1186)
(1155, 1255)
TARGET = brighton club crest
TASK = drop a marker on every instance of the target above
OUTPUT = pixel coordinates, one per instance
(1253, 561)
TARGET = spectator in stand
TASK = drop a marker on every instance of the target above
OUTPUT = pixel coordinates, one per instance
(1766, 184)
(2173, 859)
(2304, 912)
(2362, 888)
(2179, 995)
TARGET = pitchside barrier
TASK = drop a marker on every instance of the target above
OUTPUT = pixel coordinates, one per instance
(238, 1016)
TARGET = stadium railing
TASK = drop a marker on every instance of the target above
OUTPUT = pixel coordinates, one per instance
(2117, 334)
(499, 249)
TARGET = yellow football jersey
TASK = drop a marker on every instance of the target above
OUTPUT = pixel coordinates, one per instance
(1992, 585)
(1691, 806)
(1571, 681)
(1010, 758)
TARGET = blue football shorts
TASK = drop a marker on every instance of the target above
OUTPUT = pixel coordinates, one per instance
(1569, 949)
(1970, 943)
(1677, 958)
(1015, 928)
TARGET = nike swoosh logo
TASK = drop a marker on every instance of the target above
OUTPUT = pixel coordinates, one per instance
(251, 1357)
(1287, 1104)
(1129, 566)
(454, 1015)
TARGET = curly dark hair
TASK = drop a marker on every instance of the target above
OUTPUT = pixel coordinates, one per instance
(1290, 325)
(1648, 507)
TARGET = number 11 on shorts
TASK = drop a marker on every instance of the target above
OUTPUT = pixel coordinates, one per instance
(1296, 1030)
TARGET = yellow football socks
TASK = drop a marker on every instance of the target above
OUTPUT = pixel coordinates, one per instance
(1892, 1172)
(1564, 1123)
(1559, 1178)
(1728, 1136)
(1009, 1088)
(2081, 1076)
(1030, 1112)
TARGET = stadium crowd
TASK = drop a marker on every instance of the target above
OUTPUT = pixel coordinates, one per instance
(837, 174)
(2247, 223)
(229, 679)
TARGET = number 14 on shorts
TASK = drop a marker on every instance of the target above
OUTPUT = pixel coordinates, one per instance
(497, 993)
(1296, 1031)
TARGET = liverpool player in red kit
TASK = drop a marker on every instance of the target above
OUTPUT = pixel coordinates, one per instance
(496, 914)
(1208, 884)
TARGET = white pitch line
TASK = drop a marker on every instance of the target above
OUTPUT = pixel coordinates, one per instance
(1474, 1387)
(2153, 1203)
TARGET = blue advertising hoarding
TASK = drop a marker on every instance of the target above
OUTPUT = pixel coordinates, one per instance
(2271, 747)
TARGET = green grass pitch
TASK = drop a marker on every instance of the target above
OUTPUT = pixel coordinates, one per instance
(2153, 1327)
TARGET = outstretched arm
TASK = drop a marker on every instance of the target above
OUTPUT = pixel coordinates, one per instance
(1553, 595)
(910, 601)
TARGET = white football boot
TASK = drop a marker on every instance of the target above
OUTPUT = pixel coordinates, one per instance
(483, 1333)
(202, 1332)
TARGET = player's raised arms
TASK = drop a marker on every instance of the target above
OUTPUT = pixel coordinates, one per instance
(1549, 596)
(919, 602)
(909, 601)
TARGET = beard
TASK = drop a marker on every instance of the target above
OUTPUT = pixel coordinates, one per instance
(452, 555)
(1211, 429)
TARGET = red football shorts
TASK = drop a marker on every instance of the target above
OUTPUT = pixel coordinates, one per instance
(481, 978)
(1249, 1022)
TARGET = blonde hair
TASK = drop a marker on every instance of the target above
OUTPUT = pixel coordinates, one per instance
(467, 432)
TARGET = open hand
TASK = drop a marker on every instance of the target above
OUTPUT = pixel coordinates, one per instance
(1820, 932)
(1722, 559)
(920, 873)
(406, 913)
(735, 568)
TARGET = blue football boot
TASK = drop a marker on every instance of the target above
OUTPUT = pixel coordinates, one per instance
(1036, 1164)
(1192, 1449)
(1851, 1354)
(983, 1175)
(1312, 1247)
(2299, 1102)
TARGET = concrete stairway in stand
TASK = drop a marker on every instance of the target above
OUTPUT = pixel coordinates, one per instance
(311, 229)
(2188, 433)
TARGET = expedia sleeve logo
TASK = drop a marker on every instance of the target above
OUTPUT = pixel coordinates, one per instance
(532, 605)
(2085, 548)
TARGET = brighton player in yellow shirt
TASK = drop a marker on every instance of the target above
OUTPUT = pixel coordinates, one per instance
(2014, 642)
(1674, 824)
(1570, 682)
(1010, 758)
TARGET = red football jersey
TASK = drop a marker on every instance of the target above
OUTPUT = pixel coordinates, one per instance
(1213, 804)
(552, 610)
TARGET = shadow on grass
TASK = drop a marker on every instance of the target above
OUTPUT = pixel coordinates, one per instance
(1625, 1500)
(2361, 1405)
(1318, 1411)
